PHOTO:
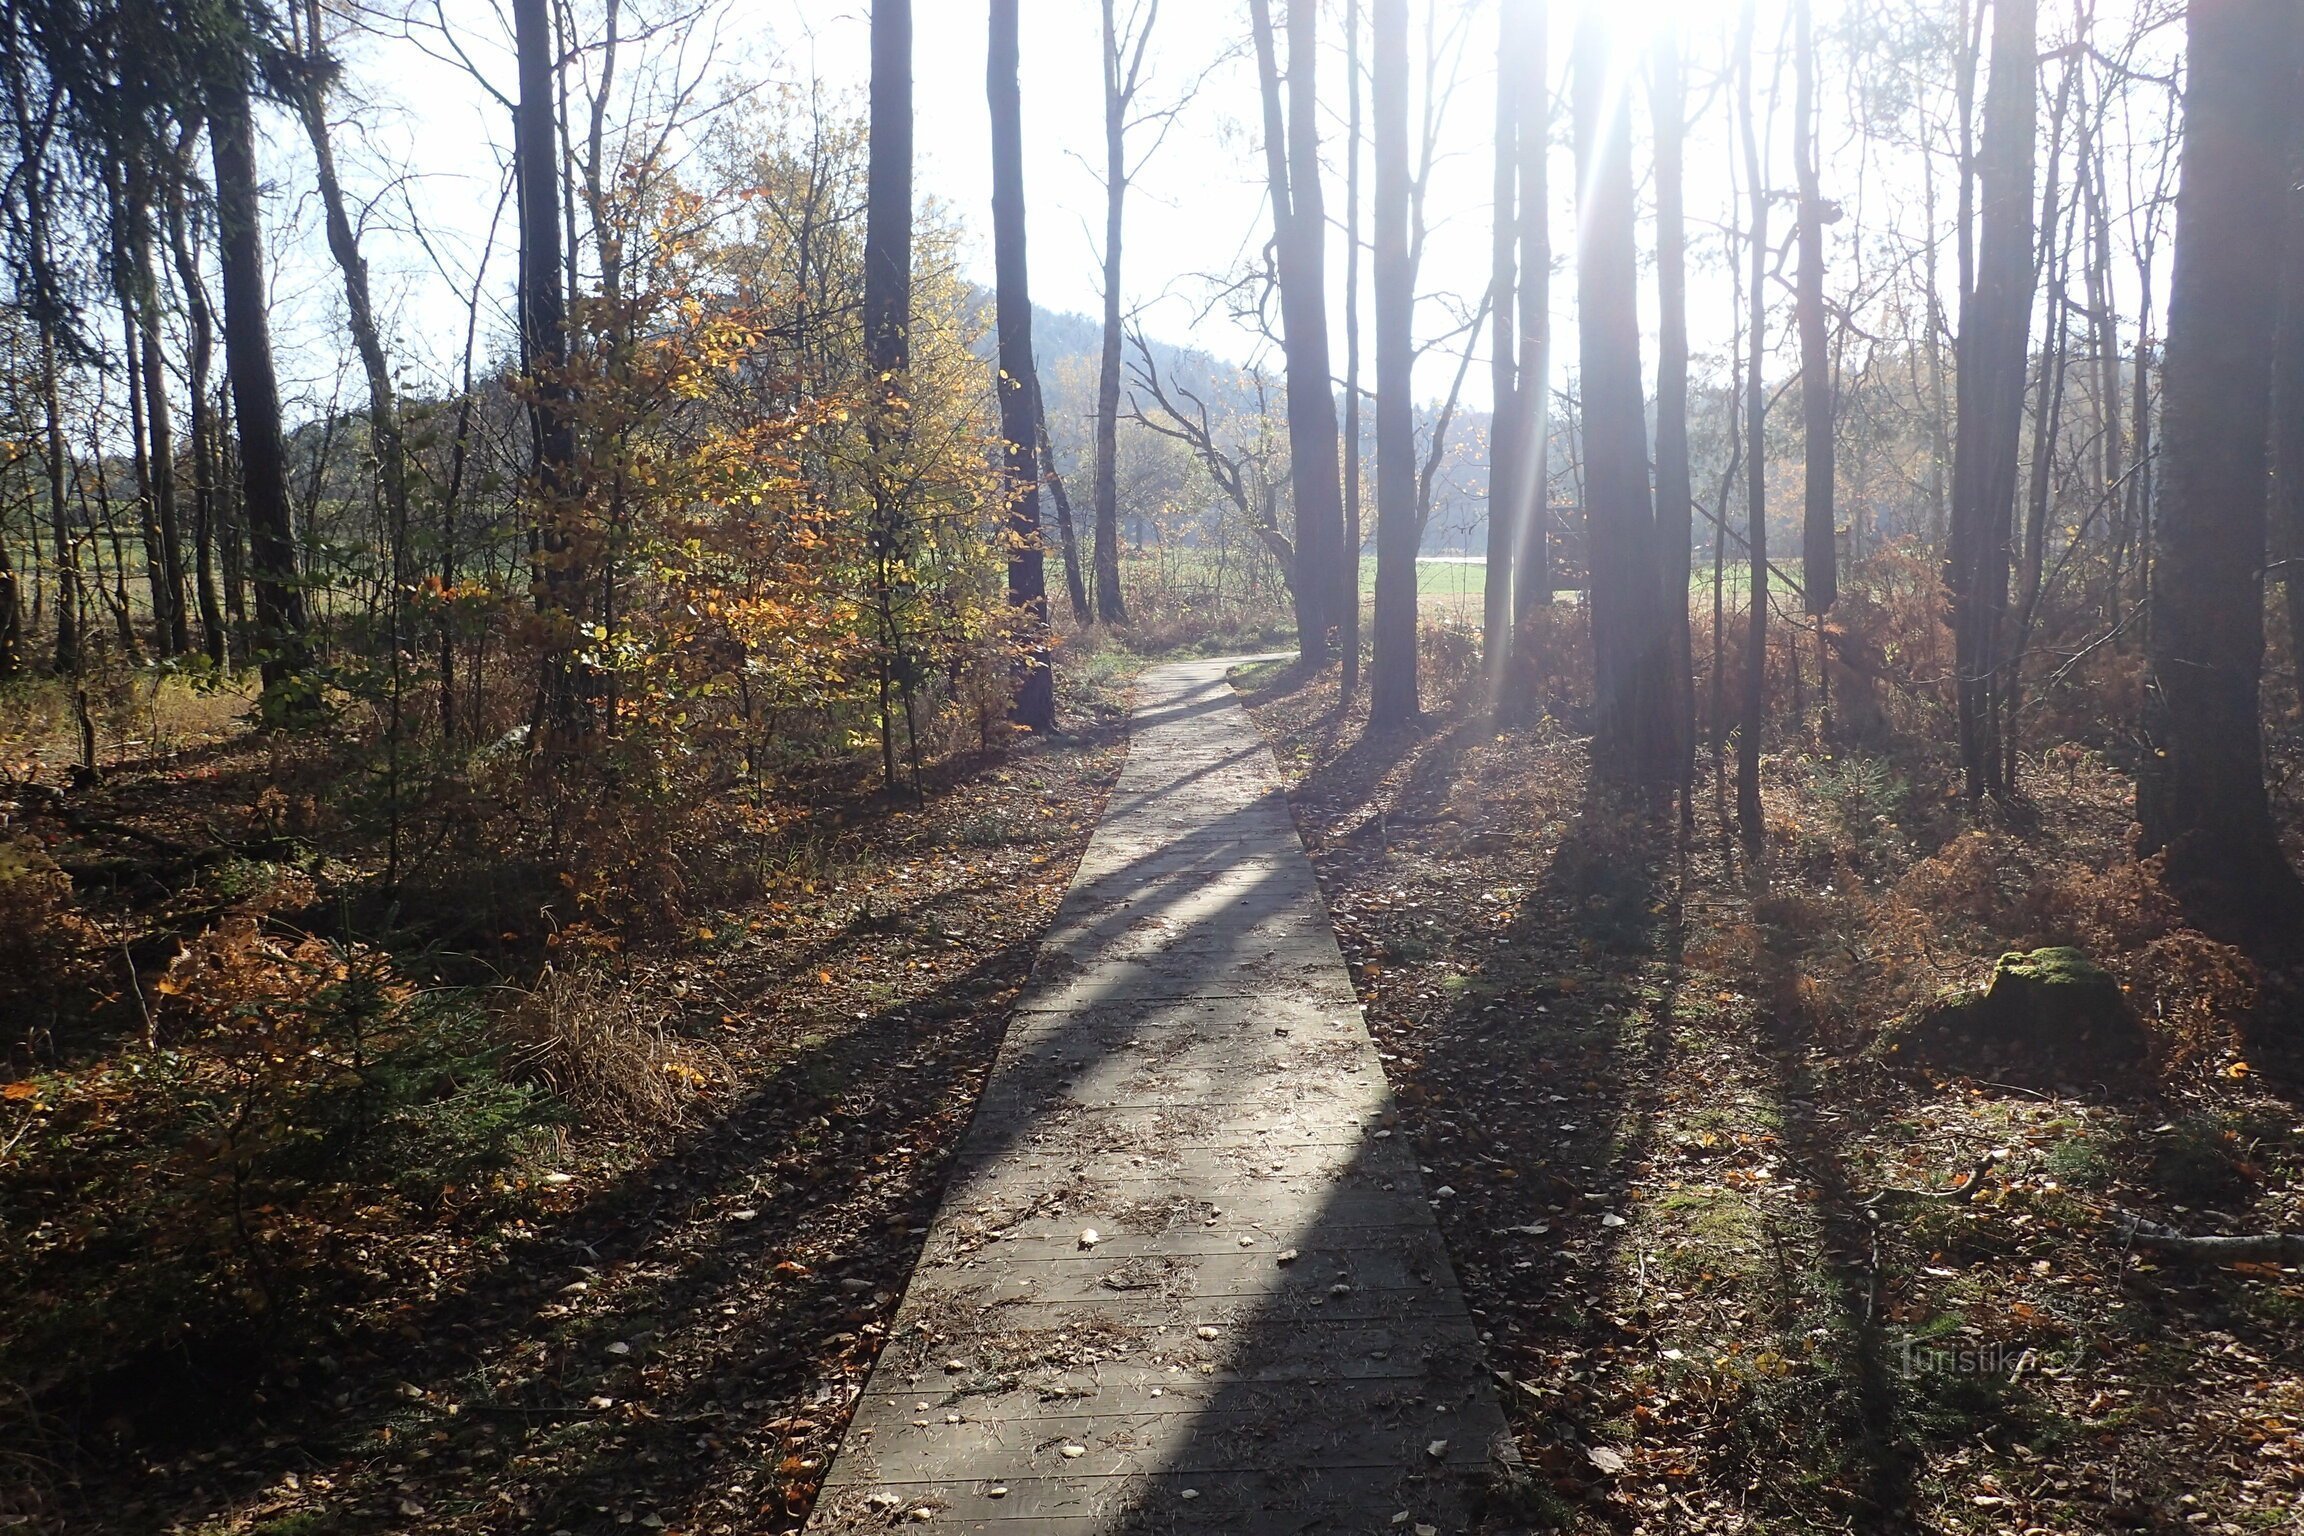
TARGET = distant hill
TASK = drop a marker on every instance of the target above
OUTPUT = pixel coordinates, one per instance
(1068, 347)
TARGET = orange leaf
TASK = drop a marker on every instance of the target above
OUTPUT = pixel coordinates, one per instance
(17, 1091)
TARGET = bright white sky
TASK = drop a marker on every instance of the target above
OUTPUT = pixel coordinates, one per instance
(422, 128)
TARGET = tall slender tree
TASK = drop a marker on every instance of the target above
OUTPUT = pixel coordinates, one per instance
(384, 427)
(1989, 370)
(1348, 622)
(1392, 668)
(1035, 703)
(888, 344)
(544, 341)
(280, 622)
(1496, 613)
(2201, 798)
(1675, 496)
(1292, 169)
(1819, 557)
(1123, 54)
(1532, 517)
(1752, 717)
(1633, 699)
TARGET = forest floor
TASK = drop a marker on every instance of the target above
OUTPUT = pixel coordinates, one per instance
(543, 1321)
(1695, 1196)
(1699, 1204)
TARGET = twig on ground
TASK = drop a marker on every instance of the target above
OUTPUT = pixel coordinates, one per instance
(2138, 1232)
(1966, 1189)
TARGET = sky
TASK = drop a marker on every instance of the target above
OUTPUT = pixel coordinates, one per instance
(418, 128)
(424, 140)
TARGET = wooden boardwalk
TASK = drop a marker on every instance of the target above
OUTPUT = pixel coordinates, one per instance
(1184, 1278)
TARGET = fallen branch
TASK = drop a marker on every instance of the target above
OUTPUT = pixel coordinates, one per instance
(1967, 1189)
(2287, 1247)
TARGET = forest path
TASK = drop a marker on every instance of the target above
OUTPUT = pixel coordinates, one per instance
(1184, 1277)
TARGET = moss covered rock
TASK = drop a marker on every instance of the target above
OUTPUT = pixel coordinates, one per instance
(2054, 1009)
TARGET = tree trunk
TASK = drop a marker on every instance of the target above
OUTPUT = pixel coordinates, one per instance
(1392, 698)
(170, 628)
(1035, 705)
(1532, 519)
(1675, 496)
(2287, 508)
(1067, 537)
(121, 193)
(280, 626)
(1504, 417)
(1819, 558)
(1750, 822)
(888, 339)
(1348, 622)
(1634, 700)
(2201, 797)
(1110, 606)
(199, 363)
(11, 615)
(383, 404)
(1995, 329)
(1291, 157)
(544, 335)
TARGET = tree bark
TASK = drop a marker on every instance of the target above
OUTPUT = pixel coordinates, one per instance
(1348, 622)
(172, 631)
(1819, 558)
(1035, 703)
(1995, 331)
(1392, 700)
(544, 336)
(1067, 537)
(360, 312)
(280, 623)
(1119, 85)
(1675, 495)
(888, 338)
(2201, 797)
(1291, 155)
(2287, 508)
(1532, 518)
(1750, 822)
(1634, 701)
(200, 358)
(1496, 608)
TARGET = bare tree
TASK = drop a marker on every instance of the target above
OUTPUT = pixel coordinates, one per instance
(1504, 450)
(280, 623)
(888, 342)
(1995, 328)
(1392, 670)
(1819, 558)
(1124, 49)
(1675, 497)
(1750, 822)
(1633, 699)
(544, 335)
(1035, 704)
(1292, 169)
(2201, 797)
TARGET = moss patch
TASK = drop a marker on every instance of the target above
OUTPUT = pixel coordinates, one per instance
(2046, 1013)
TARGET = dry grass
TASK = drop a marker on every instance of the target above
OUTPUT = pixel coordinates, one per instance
(606, 1051)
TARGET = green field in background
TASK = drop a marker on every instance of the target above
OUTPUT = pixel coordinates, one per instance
(1468, 578)
(1436, 578)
